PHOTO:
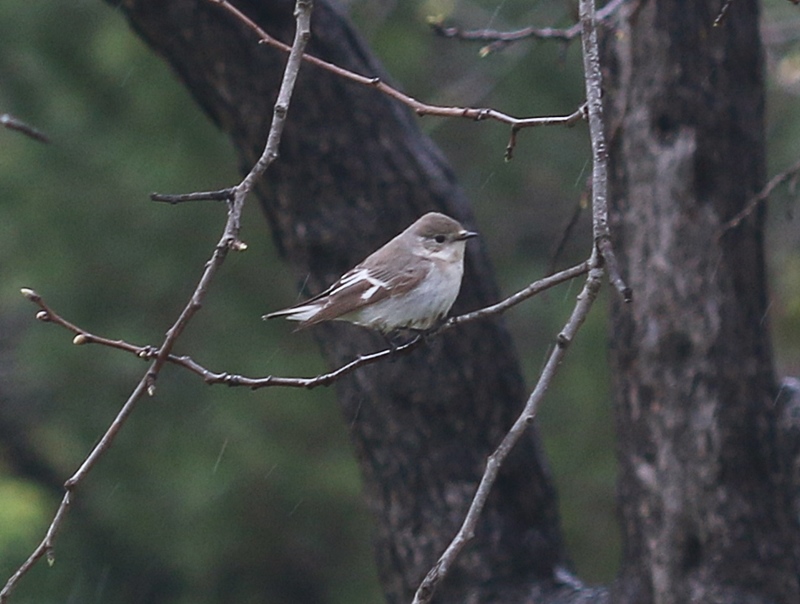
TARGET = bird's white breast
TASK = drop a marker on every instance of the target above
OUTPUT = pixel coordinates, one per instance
(424, 305)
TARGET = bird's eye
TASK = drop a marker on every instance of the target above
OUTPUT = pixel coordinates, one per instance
(439, 238)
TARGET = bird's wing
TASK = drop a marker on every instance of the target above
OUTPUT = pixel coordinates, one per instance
(362, 286)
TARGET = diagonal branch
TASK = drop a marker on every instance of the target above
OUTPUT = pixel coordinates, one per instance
(586, 298)
(427, 588)
(787, 175)
(229, 240)
(13, 123)
(418, 107)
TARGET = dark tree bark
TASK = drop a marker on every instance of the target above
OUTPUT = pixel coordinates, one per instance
(703, 491)
(354, 170)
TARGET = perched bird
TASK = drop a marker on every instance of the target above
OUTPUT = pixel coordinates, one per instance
(409, 283)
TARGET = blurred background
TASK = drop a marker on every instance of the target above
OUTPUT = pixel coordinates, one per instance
(212, 494)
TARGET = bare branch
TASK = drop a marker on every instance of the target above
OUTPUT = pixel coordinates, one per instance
(418, 107)
(45, 548)
(326, 379)
(788, 174)
(565, 120)
(229, 240)
(531, 290)
(48, 315)
(150, 352)
(594, 100)
(500, 39)
(220, 195)
(586, 298)
(601, 256)
(12, 123)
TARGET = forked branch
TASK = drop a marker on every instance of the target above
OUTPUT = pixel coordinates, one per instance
(82, 336)
(420, 108)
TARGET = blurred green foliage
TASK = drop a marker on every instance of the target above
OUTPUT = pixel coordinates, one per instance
(226, 495)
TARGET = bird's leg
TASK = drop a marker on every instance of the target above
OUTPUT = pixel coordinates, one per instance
(397, 342)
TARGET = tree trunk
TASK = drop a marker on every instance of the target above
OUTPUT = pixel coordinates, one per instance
(354, 170)
(703, 494)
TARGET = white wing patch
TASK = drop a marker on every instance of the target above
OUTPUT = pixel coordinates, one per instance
(357, 276)
(299, 313)
(376, 284)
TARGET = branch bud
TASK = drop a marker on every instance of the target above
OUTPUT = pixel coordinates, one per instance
(80, 339)
(30, 294)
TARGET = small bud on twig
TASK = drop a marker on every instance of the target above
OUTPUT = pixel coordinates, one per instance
(30, 294)
(80, 339)
(43, 315)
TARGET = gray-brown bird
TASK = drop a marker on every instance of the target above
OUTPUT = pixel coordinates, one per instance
(409, 283)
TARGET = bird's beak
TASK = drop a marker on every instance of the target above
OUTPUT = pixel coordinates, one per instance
(463, 235)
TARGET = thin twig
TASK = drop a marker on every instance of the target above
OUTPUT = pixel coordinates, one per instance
(722, 13)
(45, 548)
(762, 196)
(48, 315)
(564, 120)
(228, 241)
(566, 233)
(531, 290)
(219, 195)
(13, 123)
(612, 267)
(82, 336)
(499, 39)
(427, 588)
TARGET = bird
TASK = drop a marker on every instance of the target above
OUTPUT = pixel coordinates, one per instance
(409, 283)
